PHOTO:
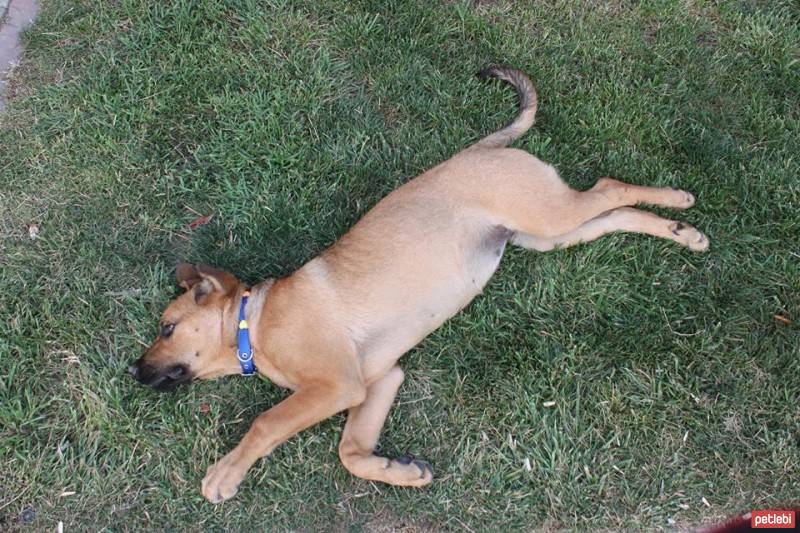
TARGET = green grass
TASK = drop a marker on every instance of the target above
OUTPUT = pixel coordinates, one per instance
(672, 379)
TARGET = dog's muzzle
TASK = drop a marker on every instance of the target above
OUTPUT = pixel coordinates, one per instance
(161, 379)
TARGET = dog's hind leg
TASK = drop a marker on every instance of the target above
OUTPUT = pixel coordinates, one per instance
(660, 196)
(531, 198)
(608, 195)
(620, 219)
(361, 432)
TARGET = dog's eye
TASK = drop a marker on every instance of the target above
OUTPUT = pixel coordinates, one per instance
(167, 329)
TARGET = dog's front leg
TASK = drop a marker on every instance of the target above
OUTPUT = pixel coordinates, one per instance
(302, 409)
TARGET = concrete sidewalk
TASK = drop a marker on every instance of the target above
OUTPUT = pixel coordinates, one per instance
(18, 14)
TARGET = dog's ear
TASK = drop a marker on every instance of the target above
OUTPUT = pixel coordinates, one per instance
(187, 275)
(205, 281)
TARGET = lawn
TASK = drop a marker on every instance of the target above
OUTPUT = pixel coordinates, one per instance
(675, 375)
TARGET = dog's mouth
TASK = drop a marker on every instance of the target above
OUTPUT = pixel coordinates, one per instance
(160, 379)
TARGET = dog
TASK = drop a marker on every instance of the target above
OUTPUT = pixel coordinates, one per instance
(334, 330)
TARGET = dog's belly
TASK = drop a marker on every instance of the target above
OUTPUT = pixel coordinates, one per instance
(409, 313)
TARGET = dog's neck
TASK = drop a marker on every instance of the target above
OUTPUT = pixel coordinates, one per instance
(252, 314)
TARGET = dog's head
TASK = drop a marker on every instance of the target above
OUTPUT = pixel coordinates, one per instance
(193, 341)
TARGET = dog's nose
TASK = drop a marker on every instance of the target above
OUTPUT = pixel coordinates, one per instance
(177, 372)
(134, 370)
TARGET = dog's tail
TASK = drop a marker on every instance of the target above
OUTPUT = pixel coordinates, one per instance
(527, 106)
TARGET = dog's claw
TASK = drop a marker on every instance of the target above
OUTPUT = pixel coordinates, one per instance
(419, 463)
(424, 467)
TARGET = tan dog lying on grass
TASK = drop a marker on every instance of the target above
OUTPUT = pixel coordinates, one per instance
(333, 331)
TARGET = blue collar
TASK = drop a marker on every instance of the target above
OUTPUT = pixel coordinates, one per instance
(245, 351)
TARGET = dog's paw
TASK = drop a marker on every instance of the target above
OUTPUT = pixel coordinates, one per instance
(680, 199)
(409, 472)
(689, 236)
(222, 480)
